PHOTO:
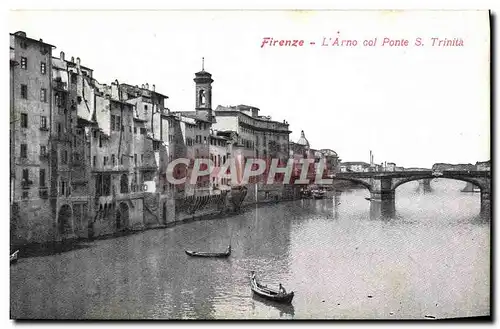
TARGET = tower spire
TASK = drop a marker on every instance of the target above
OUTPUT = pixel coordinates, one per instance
(203, 63)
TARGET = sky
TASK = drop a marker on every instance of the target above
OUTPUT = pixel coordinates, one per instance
(414, 105)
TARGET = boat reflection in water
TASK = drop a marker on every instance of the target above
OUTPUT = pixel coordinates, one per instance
(287, 309)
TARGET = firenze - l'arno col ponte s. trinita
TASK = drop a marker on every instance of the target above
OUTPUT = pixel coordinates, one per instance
(373, 42)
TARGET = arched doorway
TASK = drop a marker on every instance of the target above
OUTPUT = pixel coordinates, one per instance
(64, 221)
(122, 216)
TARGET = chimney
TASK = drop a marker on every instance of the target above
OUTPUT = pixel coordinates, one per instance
(78, 61)
(72, 59)
(61, 56)
(41, 40)
(142, 86)
(154, 87)
(147, 86)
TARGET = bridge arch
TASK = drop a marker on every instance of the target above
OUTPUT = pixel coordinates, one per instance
(357, 181)
(396, 182)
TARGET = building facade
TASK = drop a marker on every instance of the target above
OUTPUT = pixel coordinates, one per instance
(89, 159)
(30, 77)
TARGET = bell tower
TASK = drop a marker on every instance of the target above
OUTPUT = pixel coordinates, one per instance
(203, 81)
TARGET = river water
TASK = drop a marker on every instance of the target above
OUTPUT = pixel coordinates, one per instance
(343, 262)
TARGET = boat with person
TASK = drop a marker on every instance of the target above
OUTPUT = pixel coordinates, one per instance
(13, 256)
(209, 254)
(278, 295)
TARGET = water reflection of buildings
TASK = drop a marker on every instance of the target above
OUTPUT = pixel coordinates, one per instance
(268, 239)
(336, 204)
(196, 287)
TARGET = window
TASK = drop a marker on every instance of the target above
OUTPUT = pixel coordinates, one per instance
(100, 141)
(121, 160)
(43, 122)
(112, 122)
(135, 159)
(156, 146)
(142, 158)
(26, 175)
(63, 188)
(105, 160)
(43, 95)
(124, 184)
(117, 123)
(24, 120)
(59, 129)
(143, 131)
(73, 78)
(43, 150)
(113, 159)
(24, 150)
(64, 157)
(24, 45)
(95, 133)
(43, 68)
(24, 91)
(135, 130)
(24, 63)
(42, 178)
(94, 161)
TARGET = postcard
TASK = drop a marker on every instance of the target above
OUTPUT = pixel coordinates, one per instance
(250, 164)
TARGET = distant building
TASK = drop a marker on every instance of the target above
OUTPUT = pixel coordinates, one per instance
(330, 159)
(453, 167)
(390, 166)
(354, 166)
(483, 166)
(260, 136)
(301, 150)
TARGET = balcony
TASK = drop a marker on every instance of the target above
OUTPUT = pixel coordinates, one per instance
(44, 129)
(26, 184)
(59, 85)
(43, 193)
(43, 156)
(147, 167)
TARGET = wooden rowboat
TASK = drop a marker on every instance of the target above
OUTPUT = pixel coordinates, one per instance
(269, 293)
(13, 257)
(209, 254)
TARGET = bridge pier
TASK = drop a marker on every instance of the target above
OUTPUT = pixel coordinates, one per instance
(485, 204)
(425, 185)
(383, 209)
(383, 196)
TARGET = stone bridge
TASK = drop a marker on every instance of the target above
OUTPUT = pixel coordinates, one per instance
(382, 185)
